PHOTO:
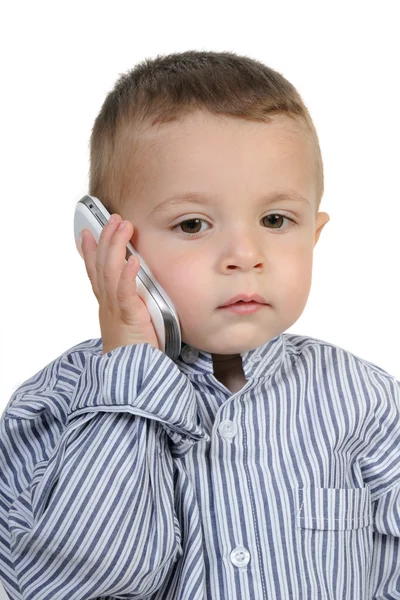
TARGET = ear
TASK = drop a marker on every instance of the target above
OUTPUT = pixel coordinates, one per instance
(320, 222)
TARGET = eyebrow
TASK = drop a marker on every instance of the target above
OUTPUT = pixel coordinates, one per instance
(207, 199)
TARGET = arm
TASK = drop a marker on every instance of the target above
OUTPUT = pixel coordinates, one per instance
(87, 503)
(385, 572)
(381, 472)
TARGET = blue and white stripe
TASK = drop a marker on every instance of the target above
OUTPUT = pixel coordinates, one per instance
(127, 475)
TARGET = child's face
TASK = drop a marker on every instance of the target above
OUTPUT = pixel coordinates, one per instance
(234, 248)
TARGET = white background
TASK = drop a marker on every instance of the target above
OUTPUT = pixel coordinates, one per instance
(58, 63)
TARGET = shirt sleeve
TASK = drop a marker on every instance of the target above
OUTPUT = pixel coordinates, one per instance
(381, 472)
(86, 475)
(385, 572)
(380, 463)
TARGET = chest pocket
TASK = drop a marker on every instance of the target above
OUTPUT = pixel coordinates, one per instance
(334, 542)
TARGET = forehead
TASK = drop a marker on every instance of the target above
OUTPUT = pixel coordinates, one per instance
(226, 153)
(201, 126)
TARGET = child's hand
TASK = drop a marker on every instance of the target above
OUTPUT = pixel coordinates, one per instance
(124, 317)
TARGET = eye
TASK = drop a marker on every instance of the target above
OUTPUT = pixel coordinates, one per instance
(192, 225)
(273, 219)
(192, 228)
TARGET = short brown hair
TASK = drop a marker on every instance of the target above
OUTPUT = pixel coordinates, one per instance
(168, 87)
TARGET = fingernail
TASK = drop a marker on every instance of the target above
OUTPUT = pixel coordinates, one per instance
(121, 225)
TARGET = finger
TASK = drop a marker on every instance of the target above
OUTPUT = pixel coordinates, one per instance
(89, 251)
(102, 250)
(115, 261)
(126, 290)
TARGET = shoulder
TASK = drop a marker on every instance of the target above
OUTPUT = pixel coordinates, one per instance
(334, 362)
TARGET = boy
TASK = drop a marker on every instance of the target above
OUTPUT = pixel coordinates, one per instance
(258, 464)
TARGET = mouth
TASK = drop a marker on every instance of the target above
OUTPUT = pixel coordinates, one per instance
(243, 308)
(245, 299)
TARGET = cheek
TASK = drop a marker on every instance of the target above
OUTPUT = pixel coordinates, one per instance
(299, 265)
(292, 280)
(182, 278)
(292, 266)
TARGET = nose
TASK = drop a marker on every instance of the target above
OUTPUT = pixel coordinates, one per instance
(244, 254)
(243, 266)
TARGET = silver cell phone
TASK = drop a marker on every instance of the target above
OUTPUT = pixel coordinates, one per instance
(91, 214)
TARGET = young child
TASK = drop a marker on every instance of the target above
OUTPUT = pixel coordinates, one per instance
(259, 464)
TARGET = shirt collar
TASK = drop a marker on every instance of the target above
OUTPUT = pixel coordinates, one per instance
(258, 362)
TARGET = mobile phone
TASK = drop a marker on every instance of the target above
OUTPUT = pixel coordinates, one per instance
(91, 214)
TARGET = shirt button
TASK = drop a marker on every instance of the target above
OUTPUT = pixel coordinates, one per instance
(189, 354)
(240, 556)
(257, 358)
(227, 429)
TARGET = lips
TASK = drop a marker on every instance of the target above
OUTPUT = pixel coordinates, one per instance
(245, 298)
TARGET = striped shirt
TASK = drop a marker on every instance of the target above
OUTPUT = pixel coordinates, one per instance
(128, 475)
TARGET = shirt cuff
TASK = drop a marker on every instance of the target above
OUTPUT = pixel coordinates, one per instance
(144, 381)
